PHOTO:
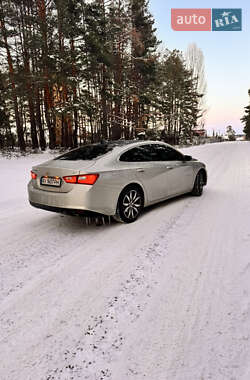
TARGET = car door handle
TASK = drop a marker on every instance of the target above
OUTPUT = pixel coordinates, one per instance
(140, 170)
(169, 167)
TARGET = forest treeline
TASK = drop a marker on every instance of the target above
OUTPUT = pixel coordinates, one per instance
(74, 72)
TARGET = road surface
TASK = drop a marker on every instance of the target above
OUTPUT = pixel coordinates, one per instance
(165, 298)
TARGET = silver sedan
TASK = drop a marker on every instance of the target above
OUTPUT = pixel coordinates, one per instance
(116, 178)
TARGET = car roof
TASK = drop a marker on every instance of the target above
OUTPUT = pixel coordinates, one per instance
(125, 143)
(113, 148)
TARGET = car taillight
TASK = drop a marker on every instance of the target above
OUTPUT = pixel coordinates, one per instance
(70, 179)
(84, 179)
(87, 179)
(33, 175)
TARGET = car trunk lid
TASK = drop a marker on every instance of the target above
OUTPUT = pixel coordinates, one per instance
(55, 170)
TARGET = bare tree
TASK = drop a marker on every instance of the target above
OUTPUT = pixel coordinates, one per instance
(196, 64)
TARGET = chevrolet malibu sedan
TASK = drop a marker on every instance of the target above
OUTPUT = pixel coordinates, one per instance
(117, 178)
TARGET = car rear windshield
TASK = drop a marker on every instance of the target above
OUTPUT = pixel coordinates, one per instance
(87, 152)
(93, 151)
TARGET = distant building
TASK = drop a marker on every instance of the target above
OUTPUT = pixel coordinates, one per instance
(241, 137)
(199, 132)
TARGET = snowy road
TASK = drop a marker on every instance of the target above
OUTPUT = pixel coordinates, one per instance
(165, 298)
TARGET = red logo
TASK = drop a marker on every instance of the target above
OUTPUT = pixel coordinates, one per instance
(191, 19)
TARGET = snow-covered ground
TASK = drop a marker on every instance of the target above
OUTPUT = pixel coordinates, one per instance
(165, 298)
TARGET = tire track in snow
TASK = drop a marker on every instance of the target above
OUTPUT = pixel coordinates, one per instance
(101, 343)
(14, 322)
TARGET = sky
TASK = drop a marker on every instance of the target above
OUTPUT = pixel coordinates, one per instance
(227, 59)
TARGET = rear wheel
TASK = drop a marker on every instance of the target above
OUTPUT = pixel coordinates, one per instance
(130, 205)
(198, 185)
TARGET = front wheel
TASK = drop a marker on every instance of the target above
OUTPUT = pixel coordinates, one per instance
(198, 185)
(130, 205)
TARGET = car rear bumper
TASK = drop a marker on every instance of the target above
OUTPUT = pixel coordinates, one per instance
(81, 199)
(67, 211)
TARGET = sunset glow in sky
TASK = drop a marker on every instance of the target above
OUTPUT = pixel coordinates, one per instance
(227, 59)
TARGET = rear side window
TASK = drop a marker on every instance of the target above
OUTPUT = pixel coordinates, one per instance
(151, 152)
(87, 152)
(166, 153)
(142, 153)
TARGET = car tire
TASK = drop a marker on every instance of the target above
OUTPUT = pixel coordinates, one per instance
(130, 205)
(198, 185)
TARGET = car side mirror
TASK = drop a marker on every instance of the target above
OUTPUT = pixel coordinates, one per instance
(187, 158)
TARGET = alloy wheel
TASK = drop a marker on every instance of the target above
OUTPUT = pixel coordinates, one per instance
(132, 202)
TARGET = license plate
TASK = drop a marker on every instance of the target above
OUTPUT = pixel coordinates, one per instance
(51, 181)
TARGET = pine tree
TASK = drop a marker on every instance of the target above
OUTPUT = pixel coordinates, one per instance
(5, 34)
(46, 65)
(144, 45)
(6, 136)
(230, 133)
(246, 120)
(177, 98)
